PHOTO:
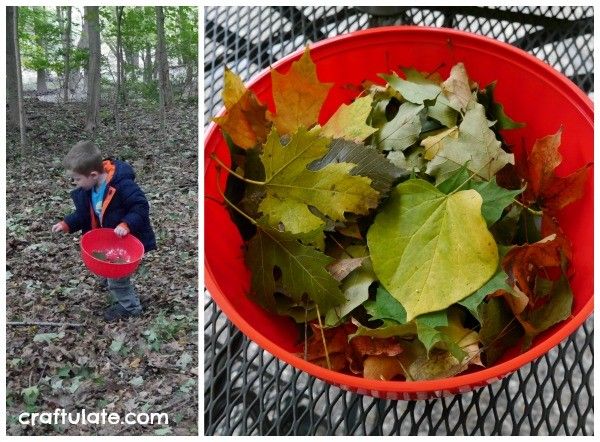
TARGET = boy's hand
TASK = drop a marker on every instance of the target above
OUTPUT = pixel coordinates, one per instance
(121, 231)
(58, 227)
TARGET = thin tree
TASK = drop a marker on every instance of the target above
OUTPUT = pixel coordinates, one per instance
(92, 17)
(119, 51)
(164, 85)
(39, 17)
(14, 81)
(67, 46)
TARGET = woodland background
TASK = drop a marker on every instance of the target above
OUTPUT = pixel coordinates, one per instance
(125, 78)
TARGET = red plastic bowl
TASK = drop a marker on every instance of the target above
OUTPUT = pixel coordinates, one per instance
(103, 240)
(530, 91)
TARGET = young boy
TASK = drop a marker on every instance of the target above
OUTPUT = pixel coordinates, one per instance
(107, 196)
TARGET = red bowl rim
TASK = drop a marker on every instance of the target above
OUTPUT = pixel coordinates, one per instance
(479, 377)
(94, 259)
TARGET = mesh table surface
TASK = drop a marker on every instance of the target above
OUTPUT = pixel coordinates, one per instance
(249, 392)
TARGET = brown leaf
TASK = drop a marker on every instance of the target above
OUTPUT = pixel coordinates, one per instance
(546, 188)
(382, 368)
(298, 95)
(523, 263)
(343, 267)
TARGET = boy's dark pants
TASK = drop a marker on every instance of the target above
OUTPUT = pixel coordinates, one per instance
(123, 292)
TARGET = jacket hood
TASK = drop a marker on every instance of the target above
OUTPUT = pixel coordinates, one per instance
(118, 171)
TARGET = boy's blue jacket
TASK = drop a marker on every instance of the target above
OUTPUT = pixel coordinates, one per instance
(124, 202)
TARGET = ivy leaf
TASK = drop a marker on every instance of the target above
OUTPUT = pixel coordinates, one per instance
(496, 282)
(495, 110)
(298, 95)
(495, 199)
(291, 187)
(276, 257)
(457, 88)
(423, 239)
(385, 306)
(402, 131)
(369, 162)
(245, 117)
(476, 144)
(348, 122)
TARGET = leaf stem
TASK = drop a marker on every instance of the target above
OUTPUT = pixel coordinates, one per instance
(529, 209)
(323, 337)
(233, 206)
(238, 176)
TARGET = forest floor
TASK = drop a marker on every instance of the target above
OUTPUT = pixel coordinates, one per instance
(147, 364)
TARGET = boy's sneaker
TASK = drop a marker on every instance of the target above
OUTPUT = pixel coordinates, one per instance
(116, 312)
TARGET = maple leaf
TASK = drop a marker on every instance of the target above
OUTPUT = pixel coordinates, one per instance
(423, 239)
(278, 259)
(369, 162)
(457, 88)
(433, 142)
(546, 188)
(348, 122)
(417, 91)
(476, 146)
(298, 95)
(523, 263)
(245, 117)
(291, 187)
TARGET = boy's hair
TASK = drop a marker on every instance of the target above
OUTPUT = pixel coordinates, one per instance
(84, 158)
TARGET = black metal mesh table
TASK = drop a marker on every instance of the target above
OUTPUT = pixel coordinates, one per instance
(249, 392)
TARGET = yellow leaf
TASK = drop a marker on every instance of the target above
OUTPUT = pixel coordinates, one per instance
(433, 143)
(348, 122)
(298, 95)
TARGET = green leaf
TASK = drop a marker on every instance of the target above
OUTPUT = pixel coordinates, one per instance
(557, 308)
(476, 145)
(426, 327)
(162, 431)
(369, 162)
(402, 131)
(302, 270)
(505, 229)
(433, 142)
(184, 360)
(348, 122)
(431, 250)
(416, 91)
(387, 330)
(46, 337)
(500, 329)
(30, 395)
(385, 306)
(116, 345)
(495, 110)
(473, 301)
(291, 187)
(413, 162)
(137, 381)
(356, 291)
(495, 199)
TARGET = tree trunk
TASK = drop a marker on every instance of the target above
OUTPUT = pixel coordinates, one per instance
(148, 64)
(121, 95)
(41, 84)
(67, 46)
(164, 85)
(12, 83)
(186, 59)
(93, 77)
(76, 74)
